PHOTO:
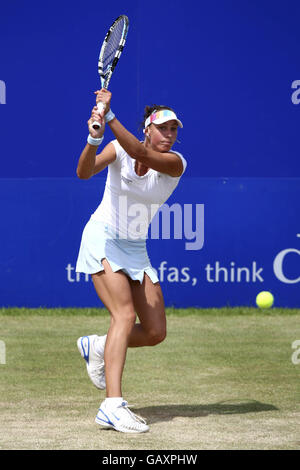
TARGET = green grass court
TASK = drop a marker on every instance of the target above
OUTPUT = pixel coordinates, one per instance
(223, 379)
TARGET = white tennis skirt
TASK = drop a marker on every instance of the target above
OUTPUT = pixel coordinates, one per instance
(98, 242)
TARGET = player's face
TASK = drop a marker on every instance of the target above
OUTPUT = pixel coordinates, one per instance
(163, 136)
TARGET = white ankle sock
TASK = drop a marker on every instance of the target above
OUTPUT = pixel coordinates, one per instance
(113, 402)
(100, 345)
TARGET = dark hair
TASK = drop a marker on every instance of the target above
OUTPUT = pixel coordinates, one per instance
(149, 110)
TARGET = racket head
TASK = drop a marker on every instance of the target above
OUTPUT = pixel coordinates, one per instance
(112, 48)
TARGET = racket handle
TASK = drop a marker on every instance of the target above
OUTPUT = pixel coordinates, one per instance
(96, 125)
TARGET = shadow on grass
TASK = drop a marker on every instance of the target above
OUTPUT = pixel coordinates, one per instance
(155, 414)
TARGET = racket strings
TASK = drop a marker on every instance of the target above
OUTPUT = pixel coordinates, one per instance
(113, 44)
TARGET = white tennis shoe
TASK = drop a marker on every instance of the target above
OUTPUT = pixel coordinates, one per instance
(120, 418)
(94, 360)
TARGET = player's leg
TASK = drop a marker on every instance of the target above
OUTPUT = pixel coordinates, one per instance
(115, 292)
(147, 300)
(113, 288)
(149, 305)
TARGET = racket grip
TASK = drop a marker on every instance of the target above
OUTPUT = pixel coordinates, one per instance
(96, 125)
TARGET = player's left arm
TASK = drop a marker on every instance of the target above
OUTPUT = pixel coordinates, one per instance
(168, 163)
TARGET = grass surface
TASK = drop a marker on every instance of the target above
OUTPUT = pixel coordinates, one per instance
(223, 379)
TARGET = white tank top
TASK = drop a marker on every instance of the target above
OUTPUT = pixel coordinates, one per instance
(130, 201)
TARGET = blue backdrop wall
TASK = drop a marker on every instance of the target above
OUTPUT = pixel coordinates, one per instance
(231, 71)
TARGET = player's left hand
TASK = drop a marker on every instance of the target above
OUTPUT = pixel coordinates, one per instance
(95, 117)
(103, 96)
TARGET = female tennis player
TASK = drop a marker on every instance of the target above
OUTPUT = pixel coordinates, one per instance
(141, 177)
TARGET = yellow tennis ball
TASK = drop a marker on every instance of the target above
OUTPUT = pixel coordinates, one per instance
(264, 299)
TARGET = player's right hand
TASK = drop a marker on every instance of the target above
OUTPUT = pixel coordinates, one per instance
(95, 116)
(104, 96)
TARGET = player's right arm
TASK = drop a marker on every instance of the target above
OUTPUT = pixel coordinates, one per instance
(89, 163)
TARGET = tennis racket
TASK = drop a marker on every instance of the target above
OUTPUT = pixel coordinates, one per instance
(110, 53)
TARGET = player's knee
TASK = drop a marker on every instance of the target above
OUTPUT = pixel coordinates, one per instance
(157, 336)
(124, 316)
